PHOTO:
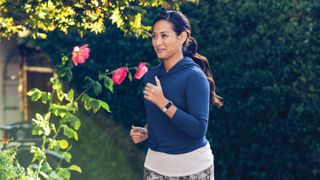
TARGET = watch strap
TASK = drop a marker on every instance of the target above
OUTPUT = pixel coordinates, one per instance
(169, 104)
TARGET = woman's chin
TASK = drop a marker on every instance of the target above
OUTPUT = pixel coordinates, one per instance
(160, 56)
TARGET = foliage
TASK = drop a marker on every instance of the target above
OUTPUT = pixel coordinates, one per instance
(63, 106)
(265, 59)
(9, 167)
(109, 51)
(38, 17)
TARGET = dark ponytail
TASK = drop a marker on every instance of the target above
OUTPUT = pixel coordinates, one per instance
(180, 23)
(190, 49)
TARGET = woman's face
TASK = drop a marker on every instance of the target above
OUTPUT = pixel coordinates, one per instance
(165, 42)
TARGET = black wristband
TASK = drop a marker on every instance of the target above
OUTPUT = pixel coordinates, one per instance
(167, 106)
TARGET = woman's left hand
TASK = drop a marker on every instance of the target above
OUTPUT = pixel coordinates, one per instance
(154, 94)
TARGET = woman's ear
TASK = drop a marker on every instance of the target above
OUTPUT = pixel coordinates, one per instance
(183, 37)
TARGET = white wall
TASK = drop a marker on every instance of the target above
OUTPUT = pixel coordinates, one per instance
(9, 48)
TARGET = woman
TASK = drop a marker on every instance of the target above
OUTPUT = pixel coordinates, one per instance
(177, 97)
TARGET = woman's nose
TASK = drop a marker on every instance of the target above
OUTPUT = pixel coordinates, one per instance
(158, 41)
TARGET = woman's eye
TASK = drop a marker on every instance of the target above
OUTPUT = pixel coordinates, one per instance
(164, 36)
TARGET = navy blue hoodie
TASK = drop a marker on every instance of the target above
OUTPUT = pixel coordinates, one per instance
(186, 85)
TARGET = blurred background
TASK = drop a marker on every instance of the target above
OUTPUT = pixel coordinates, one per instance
(265, 57)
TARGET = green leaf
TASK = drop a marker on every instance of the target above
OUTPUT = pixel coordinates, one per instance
(72, 107)
(61, 71)
(101, 76)
(47, 116)
(53, 144)
(104, 105)
(87, 104)
(35, 94)
(32, 91)
(108, 84)
(67, 131)
(65, 119)
(53, 128)
(64, 59)
(88, 82)
(36, 129)
(75, 168)
(63, 144)
(66, 156)
(65, 173)
(46, 97)
(40, 126)
(56, 84)
(38, 154)
(46, 168)
(97, 88)
(60, 94)
(54, 175)
(75, 122)
(39, 117)
(129, 76)
(75, 135)
(70, 133)
(35, 97)
(41, 35)
(95, 105)
(84, 97)
(69, 75)
(58, 110)
(70, 95)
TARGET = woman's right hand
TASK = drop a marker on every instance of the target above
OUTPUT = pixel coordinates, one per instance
(138, 134)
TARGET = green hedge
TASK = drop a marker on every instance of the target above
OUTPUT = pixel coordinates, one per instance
(265, 59)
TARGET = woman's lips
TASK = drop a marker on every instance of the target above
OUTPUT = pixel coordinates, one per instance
(160, 50)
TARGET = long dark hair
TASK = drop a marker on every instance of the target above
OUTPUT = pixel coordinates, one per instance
(180, 23)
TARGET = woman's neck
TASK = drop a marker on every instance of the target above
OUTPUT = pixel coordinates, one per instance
(170, 62)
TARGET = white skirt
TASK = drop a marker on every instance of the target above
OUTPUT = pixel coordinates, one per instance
(179, 164)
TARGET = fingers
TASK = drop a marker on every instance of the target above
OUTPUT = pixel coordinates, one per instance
(150, 85)
(138, 130)
(151, 92)
(147, 88)
(157, 81)
(147, 92)
(141, 130)
(146, 97)
(138, 134)
(138, 137)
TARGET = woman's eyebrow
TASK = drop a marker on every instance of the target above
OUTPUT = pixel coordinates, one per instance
(163, 32)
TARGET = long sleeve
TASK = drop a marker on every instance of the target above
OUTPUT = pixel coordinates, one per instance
(195, 121)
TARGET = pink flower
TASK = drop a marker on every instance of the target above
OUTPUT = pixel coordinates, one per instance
(119, 75)
(80, 54)
(142, 69)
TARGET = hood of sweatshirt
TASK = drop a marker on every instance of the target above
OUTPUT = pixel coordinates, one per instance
(184, 63)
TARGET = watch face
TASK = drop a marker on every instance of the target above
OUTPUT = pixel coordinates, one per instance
(168, 105)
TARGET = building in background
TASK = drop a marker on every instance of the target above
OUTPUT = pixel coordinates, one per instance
(10, 97)
(21, 69)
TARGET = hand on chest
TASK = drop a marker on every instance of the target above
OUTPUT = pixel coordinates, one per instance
(174, 88)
